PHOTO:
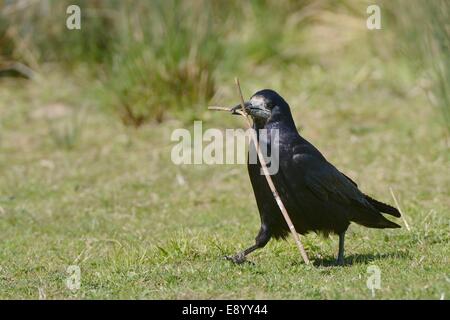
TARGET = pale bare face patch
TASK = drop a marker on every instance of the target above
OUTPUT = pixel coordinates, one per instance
(258, 107)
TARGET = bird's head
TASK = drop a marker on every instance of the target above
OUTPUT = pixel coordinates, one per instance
(263, 105)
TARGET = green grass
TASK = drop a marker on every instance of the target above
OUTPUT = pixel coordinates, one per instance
(110, 201)
(80, 186)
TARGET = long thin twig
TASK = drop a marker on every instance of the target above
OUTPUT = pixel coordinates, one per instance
(266, 173)
(399, 209)
(219, 108)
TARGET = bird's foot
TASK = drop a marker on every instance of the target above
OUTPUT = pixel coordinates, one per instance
(340, 261)
(238, 258)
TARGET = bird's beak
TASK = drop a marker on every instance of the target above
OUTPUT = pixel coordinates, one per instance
(256, 111)
(235, 109)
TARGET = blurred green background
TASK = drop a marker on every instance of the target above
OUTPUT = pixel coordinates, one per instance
(157, 57)
(85, 123)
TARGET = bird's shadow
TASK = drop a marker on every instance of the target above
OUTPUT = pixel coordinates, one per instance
(365, 258)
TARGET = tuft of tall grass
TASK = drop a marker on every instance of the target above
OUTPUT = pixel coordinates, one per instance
(164, 60)
(35, 32)
(168, 55)
(438, 40)
(421, 31)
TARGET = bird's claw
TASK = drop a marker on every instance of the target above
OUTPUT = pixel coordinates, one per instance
(238, 258)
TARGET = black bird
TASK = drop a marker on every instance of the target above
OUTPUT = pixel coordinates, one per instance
(318, 197)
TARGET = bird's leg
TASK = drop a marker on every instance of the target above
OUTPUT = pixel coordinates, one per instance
(261, 240)
(240, 257)
(340, 257)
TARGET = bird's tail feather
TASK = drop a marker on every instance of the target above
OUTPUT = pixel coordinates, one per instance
(386, 224)
(383, 207)
(379, 223)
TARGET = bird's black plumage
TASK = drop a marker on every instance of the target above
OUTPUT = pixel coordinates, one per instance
(317, 196)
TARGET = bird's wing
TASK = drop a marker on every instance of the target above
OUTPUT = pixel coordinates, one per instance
(325, 181)
(348, 178)
(329, 185)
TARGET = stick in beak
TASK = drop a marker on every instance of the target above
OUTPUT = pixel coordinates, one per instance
(237, 108)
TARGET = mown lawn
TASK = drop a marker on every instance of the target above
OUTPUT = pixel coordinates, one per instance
(79, 188)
